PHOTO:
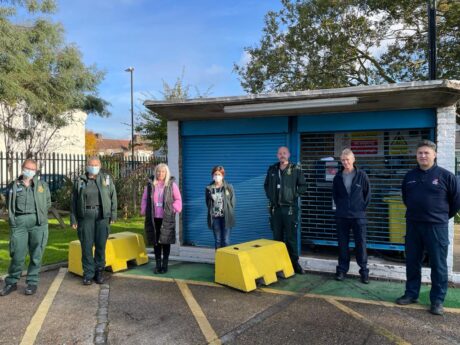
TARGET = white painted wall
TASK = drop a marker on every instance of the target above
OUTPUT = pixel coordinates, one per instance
(445, 135)
(173, 164)
(70, 139)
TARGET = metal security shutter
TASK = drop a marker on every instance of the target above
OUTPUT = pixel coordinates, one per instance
(386, 156)
(246, 159)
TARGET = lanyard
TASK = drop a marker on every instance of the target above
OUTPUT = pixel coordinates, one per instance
(160, 194)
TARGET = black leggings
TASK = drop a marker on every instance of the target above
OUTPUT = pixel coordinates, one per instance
(159, 247)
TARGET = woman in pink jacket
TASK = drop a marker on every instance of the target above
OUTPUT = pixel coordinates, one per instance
(160, 203)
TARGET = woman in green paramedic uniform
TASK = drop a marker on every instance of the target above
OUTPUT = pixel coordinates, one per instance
(93, 208)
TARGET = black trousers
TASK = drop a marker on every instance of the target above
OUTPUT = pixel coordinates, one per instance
(359, 228)
(158, 248)
(434, 238)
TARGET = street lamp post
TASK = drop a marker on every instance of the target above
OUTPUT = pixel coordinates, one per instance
(131, 70)
(432, 39)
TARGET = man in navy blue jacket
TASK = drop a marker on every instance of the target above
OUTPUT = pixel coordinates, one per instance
(351, 192)
(432, 197)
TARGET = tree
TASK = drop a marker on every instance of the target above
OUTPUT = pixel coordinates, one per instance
(152, 126)
(41, 76)
(90, 143)
(332, 43)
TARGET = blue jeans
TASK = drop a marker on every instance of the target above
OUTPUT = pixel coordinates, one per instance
(221, 234)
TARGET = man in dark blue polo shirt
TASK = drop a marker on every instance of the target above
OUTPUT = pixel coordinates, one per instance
(432, 197)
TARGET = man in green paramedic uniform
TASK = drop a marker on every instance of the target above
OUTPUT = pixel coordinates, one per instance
(28, 203)
(94, 207)
(284, 184)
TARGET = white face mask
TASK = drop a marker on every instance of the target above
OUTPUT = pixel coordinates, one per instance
(27, 173)
(92, 169)
(218, 178)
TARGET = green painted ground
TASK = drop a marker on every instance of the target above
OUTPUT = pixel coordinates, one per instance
(308, 283)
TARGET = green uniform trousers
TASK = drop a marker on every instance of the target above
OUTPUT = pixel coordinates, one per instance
(26, 237)
(284, 226)
(93, 230)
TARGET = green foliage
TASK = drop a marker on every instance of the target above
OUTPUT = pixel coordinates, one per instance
(152, 126)
(130, 189)
(40, 74)
(331, 43)
(63, 196)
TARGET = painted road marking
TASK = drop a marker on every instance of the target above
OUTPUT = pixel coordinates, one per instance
(357, 300)
(206, 328)
(164, 279)
(37, 320)
(379, 330)
(293, 293)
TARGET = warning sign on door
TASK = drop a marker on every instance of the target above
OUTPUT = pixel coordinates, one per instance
(361, 143)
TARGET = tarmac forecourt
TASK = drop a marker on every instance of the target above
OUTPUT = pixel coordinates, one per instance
(194, 283)
(310, 284)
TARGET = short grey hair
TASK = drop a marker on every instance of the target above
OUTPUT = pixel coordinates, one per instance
(94, 158)
(347, 152)
(29, 160)
(427, 143)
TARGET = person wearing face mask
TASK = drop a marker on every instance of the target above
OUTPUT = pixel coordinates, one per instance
(28, 203)
(283, 185)
(220, 199)
(160, 203)
(93, 209)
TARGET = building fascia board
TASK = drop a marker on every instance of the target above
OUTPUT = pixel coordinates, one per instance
(413, 95)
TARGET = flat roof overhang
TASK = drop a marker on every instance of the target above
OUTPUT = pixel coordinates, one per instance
(413, 95)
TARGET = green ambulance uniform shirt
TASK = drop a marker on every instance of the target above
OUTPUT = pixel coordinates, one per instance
(25, 201)
(92, 194)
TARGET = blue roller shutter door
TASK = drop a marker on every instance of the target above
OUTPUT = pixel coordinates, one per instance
(245, 159)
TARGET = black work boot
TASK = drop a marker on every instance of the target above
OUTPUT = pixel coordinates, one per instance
(339, 276)
(297, 268)
(405, 300)
(164, 267)
(365, 278)
(30, 289)
(7, 289)
(87, 281)
(157, 269)
(99, 276)
(437, 309)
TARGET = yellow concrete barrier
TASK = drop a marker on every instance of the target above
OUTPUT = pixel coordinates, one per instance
(121, 248)
(241, 266)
